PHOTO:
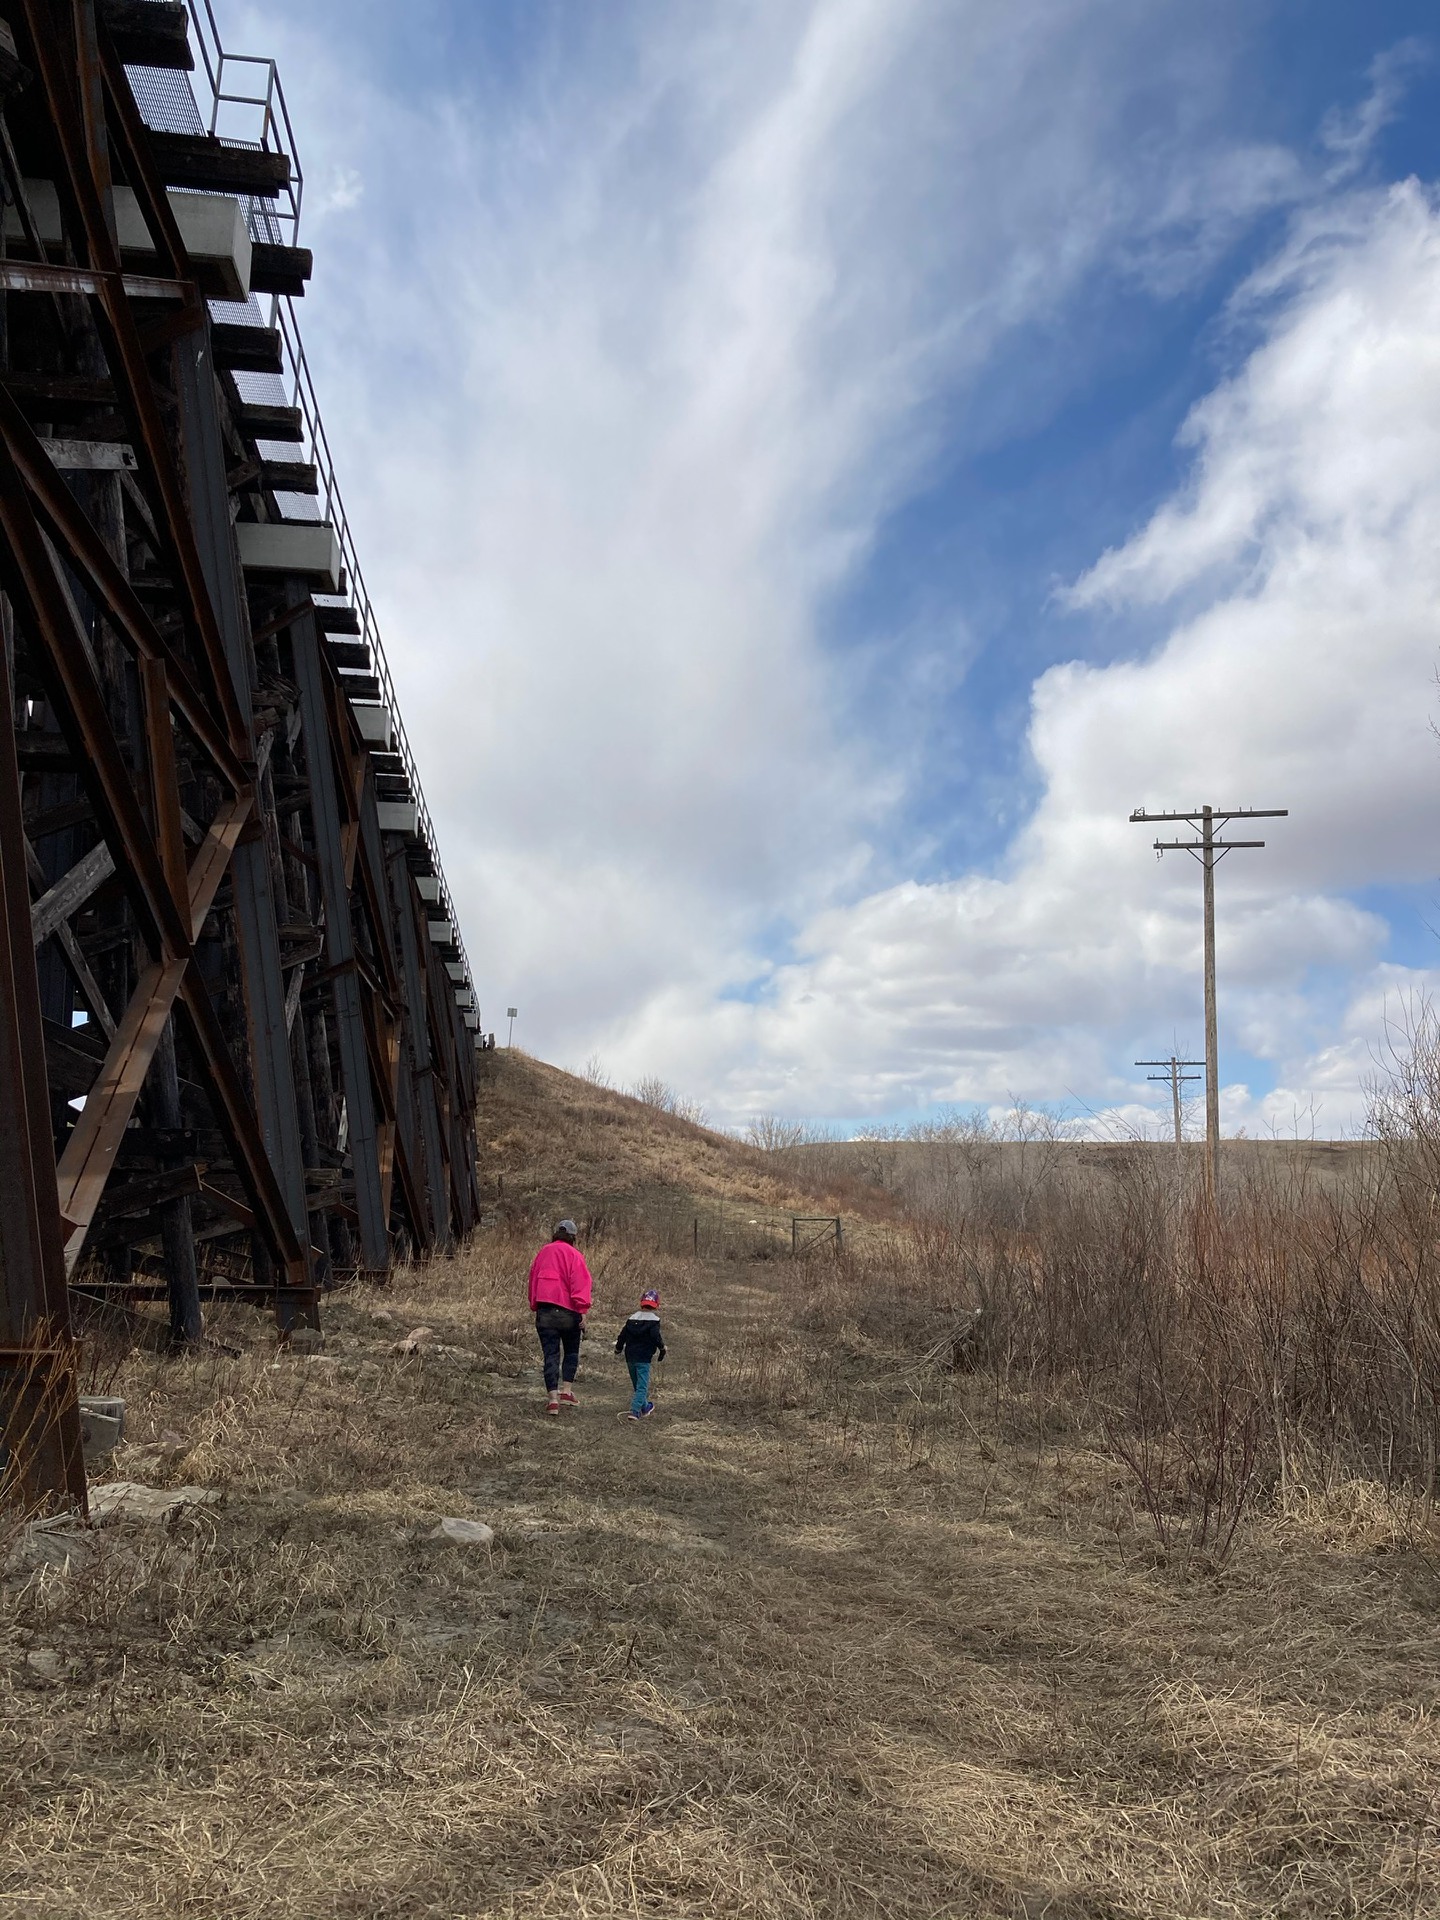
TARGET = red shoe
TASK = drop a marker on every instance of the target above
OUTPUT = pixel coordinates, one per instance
(567, 1397)
(553, 1407)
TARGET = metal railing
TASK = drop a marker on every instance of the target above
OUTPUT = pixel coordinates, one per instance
(301, 389)
(246, 106)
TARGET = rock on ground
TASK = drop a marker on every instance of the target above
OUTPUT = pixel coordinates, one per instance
(129, 1500)
(465, 1533)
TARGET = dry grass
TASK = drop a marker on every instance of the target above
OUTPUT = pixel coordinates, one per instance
(823, 1639)
(553, 1143)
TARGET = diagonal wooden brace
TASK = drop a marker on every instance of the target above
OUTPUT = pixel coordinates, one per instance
(89, 1156)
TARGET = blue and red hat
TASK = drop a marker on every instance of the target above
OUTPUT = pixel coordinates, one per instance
(650, 1298)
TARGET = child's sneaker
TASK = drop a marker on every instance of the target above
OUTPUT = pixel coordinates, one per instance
(567, 1397)
(646, 1411)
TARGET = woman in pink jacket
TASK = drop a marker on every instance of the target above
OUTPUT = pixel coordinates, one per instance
(560, 1298)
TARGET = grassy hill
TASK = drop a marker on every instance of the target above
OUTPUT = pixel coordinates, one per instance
(838, 1635)
(551, 1143)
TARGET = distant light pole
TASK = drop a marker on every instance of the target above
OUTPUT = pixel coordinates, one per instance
(512, 1012)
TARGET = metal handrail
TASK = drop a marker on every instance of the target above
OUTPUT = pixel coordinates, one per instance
(277, 135)
(275, 131)
(302, 390)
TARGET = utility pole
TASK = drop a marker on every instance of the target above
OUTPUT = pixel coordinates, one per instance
(1210, 852)
(511, 1013)
(1173, 1073)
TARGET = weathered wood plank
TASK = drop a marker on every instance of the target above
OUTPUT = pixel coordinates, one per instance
(70, 892)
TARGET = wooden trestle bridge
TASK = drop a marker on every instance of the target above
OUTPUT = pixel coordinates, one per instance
(237, 1028)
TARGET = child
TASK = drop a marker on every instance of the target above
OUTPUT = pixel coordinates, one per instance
(642, 1342)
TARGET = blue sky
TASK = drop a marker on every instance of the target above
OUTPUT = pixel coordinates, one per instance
(820, 463)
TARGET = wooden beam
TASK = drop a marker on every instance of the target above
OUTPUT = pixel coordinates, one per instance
(259, 420)
(241, 349)
(271, 1065)
(290, 476)
(153, 1189)
(283, 270)
(44, 607)
(164, 786)
(329, 832)
(149, 33)
(39, 1407)
(209, 165)
(70, 892)
(237, 1123)
(90, 1152)
(83, 201)
(105, 580)
(84, 979)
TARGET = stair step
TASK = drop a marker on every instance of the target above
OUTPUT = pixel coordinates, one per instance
(351, 655)
(275, 269)
(289, 476)
(264, 422)
(337, 619)
(246, 349)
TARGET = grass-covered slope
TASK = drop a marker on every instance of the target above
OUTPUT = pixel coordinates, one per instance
(552, 1143)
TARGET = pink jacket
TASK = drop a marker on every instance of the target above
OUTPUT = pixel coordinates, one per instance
(559, 1277)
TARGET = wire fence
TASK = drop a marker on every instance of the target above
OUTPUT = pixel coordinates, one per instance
(676, 1225)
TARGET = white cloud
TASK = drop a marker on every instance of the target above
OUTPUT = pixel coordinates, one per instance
(628, 362)
(1350, 135)
(1310, 535)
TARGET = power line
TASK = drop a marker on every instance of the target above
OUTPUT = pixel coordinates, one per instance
(1177, 1079)
(1210, 852)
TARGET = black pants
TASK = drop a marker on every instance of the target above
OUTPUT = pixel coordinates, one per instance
(557, 1339)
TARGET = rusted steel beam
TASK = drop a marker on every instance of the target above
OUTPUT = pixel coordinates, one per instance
(38, 1393)
(27, 276)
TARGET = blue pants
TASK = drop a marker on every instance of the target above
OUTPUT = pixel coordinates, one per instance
(640, 1381)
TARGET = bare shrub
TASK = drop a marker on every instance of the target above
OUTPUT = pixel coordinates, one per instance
(772, 1134)
(652, 1091)
(1288, 1338)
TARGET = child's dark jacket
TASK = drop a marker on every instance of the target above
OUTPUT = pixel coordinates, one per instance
(641, 1338)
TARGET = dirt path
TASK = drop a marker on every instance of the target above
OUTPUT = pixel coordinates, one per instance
(817, 1640)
